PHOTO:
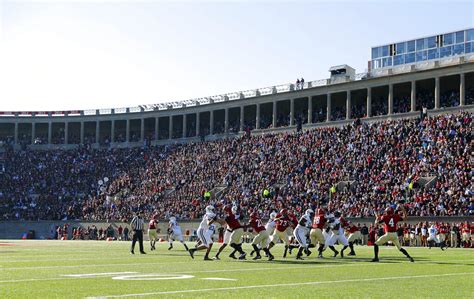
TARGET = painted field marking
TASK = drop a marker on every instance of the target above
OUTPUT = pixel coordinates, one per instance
(218, 278)
(209, 271)
(282, 285)
(152, 276)
(97, 274)
(306, 266)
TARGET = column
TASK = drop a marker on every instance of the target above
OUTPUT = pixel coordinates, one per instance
(348, 104)
(112, 131)
(328, 107)
(184, 126)
(274, 119)
(170, 127)
(82, 132)
(66, 133)
(97, 130)
(226, 120)
(462, 95)
(369, 101)
(257, 118)
(390, 99)
(33, 133)
(50, 132)
(157, 129)
(310, 110)
(437, 90)
(211, 123)
(142, 129)
(16, 133)
(413, 96)
(198, 120)
(127, 131)
(241, 118)
(292, 112)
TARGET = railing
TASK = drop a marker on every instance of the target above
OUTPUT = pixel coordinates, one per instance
(252, 93)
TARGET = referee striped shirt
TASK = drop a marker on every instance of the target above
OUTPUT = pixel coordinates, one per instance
(137, 223)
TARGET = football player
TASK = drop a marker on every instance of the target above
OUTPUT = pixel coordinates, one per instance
(152, 233)
(316, 233)
(390, 221)
(354, 235)
(236, 232)
(203, 233)
(261, 238)
(270, 228)
(282, 223)
(432, 239)
(301, 232)
(176, 233)
(337, 225)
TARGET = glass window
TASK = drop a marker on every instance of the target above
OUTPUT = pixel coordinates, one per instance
(410, 58)
(398, 59)
(448, 39)
(421, 56)
(458, 49)
(401, 48)
(411, 46)
(431, 42)
(375, 64)
(375, 52)
(384, 51)
(386, 61)
(469, 34)
(445, 51)
(420, 44)
(459, 37)
(470, 47)
(433, 54)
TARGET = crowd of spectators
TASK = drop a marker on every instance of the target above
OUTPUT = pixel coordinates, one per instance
(360, 168)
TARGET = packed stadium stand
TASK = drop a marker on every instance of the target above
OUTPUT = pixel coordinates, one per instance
(400, 132)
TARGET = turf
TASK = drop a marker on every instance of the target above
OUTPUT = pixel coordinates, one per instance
(37, 269)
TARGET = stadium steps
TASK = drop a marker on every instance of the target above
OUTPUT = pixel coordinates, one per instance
(217, 191)
(346, 184)
(427, 182)
(279, 185)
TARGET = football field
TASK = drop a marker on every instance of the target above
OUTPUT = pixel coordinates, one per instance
(99, 269)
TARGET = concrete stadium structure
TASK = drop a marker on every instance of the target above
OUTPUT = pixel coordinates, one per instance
(374, 95)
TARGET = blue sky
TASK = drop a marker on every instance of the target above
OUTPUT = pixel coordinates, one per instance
(57, 55)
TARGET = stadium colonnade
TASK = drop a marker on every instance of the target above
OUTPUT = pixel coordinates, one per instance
(436, 85)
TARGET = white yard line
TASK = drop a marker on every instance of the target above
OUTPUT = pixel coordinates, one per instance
(282, 285)
(202, 271)
(218, 278)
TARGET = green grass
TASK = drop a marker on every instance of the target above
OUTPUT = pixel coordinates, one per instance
(36, 269)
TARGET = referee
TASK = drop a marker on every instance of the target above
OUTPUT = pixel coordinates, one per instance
(137, 225)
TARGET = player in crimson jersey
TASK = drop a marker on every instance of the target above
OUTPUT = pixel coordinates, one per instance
(282, 223)
(237, 231)
(261, 238)
(290, 230)
(390, 221)
(354, 235)
(152, 233)
(316, 233)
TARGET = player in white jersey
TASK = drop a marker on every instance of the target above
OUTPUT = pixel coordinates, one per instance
(432, 239)
(337, 234)
(301, 232)
(175, 233)
(203, 233)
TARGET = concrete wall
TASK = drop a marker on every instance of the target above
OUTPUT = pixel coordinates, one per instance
(45, 229)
